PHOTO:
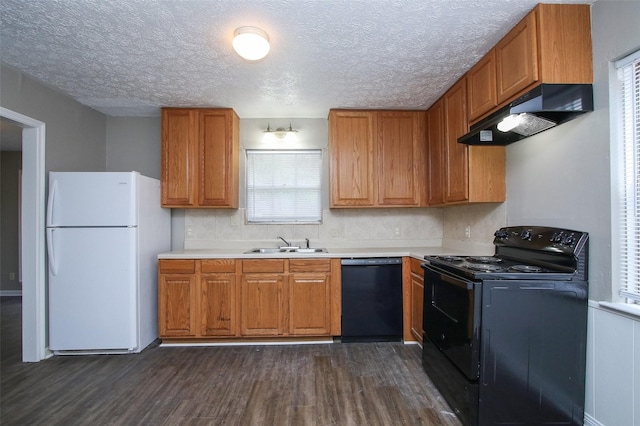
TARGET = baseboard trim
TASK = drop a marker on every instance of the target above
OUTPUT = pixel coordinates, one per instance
(10, 293)
(590, 421)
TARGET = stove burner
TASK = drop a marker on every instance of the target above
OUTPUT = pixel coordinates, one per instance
(526, 268)
(484, 259)
(450, 258)
(483, 267)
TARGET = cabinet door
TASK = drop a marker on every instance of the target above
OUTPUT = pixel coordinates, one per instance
(456, 154)
(398, 144)
(218, 149)
(517, 59)
(263, 304)
(218, 305)
(435, 154)
(310, 304)
(417, 300)
(351, 149)
(177, 300)
(179, 157)
(481, 86)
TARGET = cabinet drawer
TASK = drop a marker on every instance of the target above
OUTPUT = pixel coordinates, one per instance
(172, 266)
(218, 265)
(309, 265)
(263, 265)
(415, 267)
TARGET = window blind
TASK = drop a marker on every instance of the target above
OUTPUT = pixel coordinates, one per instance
(284, 186)
(629, 179)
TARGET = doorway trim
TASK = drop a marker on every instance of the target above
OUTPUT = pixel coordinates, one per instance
(33, 236)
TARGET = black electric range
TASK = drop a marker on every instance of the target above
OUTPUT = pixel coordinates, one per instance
(505, 335)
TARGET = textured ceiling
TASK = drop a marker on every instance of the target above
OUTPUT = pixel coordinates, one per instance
(130, 57)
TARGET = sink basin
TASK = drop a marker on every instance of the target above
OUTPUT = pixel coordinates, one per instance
(272, 250)
(266, 250)
(311, 250)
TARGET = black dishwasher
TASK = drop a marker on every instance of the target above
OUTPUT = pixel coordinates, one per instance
(372, 300)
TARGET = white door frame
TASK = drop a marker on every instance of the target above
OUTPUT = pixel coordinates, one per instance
(33, 236)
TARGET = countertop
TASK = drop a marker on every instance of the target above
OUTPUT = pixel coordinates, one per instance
(415, 252)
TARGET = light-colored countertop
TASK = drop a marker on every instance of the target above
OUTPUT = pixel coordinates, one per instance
(415, 252)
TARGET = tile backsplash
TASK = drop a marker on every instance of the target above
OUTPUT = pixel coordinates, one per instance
(208, 228)
(356, 228)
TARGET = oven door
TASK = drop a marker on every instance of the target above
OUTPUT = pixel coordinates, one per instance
(452, 318)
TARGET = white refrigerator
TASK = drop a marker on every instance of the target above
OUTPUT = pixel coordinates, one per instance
(104, 232)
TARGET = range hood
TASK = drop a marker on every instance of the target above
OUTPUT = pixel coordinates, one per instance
(545, 106)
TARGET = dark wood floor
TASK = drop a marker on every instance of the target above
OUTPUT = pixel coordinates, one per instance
(335, 384)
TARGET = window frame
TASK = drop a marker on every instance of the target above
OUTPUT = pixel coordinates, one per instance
(626, 294)
(292, 221)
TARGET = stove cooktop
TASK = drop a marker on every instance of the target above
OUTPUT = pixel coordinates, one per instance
(495, 267)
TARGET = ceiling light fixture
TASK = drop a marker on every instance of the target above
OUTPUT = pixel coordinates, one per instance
(251, 43)
(288, 135)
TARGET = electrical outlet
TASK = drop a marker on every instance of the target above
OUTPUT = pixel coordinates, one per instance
(396, 231)
(12, 276)
(467, 231)
(336, 232)
(189, 231)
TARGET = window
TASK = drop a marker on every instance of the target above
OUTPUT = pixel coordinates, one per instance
(284, 186)
(627, 183)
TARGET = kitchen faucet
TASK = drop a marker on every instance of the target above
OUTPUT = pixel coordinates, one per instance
(285, 241)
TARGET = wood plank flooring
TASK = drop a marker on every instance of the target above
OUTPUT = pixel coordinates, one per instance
(334, 384)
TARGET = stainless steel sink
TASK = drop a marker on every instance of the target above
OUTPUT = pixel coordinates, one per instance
(274, 250)
(311, 250)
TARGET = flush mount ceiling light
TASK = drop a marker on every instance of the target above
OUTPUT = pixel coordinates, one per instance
(251, 43)
(288, 135)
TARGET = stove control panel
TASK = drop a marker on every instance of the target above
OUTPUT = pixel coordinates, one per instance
(541, 238)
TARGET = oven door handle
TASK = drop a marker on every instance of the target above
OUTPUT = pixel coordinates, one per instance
(457, 282)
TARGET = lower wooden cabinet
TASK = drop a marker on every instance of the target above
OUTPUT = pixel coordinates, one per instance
(294, 302)
(202, 299)
(177, 298)
(263, 303)
(218, 305)
(417, 299)
(197, 298)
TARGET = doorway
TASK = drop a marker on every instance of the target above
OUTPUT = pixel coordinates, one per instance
(32, 235)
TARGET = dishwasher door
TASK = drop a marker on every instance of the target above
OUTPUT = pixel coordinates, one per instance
(372, 300)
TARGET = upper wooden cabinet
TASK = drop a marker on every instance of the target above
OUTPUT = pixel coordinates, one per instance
(376, 158)
(435, 181)
(481, 86)
(552, 44)
(517, 59)
(400, 142)
(460, 173)
(200, 154)
(351, 150)
(456, 154)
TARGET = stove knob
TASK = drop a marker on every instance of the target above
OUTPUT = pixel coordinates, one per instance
(567, 240)
(557, 237)
(526, 235)
(501, 233)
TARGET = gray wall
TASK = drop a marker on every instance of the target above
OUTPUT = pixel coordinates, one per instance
(10, 164)
(562, 177)
(75, 134)
(133, 143)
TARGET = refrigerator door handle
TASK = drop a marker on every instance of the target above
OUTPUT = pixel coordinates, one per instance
(53, 266)
(52, 194)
